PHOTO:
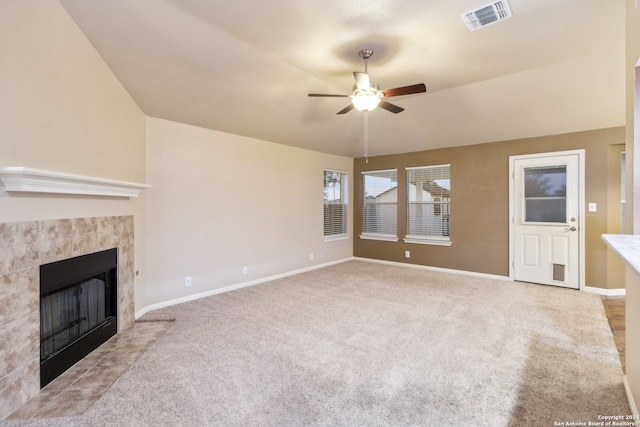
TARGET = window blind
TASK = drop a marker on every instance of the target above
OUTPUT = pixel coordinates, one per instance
(336, 203)
(428, 203)
(380, 204)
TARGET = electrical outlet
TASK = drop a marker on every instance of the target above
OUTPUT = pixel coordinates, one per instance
(311, 256)
(407, 254)
(245, 270)
(187, 281)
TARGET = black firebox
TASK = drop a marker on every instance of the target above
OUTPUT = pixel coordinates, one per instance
(78, 309)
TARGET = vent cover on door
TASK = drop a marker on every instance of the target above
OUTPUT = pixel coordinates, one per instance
(486, 15)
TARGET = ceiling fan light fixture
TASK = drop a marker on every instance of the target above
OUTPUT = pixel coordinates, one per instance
(365, 102)
(367, 99)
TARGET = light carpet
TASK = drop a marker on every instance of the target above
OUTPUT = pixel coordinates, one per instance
(366, 344)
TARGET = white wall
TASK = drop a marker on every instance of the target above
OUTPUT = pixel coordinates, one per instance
(221, 202)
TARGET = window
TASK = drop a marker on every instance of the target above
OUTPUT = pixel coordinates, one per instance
(545, 194)
(428, 205)
(380, 205)
(336, 203)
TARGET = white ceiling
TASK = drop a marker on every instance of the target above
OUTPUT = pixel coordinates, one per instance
(246, 67)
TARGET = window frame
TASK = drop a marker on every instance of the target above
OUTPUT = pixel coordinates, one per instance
(368, 235)
(429, 239)
(344, 197)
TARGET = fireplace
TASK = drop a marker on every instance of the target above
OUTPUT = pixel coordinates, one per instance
(78, 309)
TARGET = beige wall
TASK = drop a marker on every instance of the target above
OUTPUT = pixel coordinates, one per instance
(221, 202)
(62, 109)
(61, 106)
(480, 203)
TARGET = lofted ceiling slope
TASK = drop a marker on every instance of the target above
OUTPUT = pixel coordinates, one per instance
(247, 67)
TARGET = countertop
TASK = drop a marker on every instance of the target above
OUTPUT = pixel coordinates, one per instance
(627, 247)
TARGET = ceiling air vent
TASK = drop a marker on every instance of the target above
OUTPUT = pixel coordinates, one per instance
(486, 15)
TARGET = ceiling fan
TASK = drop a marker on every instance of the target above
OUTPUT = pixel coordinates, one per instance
(367, 95)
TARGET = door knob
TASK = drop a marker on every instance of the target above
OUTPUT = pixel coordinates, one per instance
(572, 228)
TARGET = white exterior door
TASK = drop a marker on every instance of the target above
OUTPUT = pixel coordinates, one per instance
(546, 218)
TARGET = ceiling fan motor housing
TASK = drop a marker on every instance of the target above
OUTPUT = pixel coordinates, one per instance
(374, 89)
(365, 53)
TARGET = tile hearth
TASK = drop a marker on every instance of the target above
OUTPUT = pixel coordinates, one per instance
(72, 393)
(25, 247)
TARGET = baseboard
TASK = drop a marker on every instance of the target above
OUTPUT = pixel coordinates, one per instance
(217, 291)
(632, 403)
(606, 292)
(143, 311)
(427, 267)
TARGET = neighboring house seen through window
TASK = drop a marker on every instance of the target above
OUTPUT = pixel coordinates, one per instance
(380, 205)
(428, 205)
(336, 206)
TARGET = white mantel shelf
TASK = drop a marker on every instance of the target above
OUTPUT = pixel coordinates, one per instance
(22, 179)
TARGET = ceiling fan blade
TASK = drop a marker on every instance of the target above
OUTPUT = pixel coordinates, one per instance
(346, 109)
(362, 80)
(328, 95)
(390, 107)
(405, 90)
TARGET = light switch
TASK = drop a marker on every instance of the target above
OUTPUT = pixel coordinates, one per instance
(593, 207)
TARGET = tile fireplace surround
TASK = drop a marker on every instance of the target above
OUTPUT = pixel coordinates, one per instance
(24, 246)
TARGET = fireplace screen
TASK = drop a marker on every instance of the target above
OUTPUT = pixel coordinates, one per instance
(68, 314)
(78, 310)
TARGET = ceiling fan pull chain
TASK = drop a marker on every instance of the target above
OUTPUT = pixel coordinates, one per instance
(366, 136)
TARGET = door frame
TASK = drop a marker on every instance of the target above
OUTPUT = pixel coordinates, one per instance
(581, 207)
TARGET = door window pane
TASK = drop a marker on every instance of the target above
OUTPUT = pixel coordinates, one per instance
(545, 194)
